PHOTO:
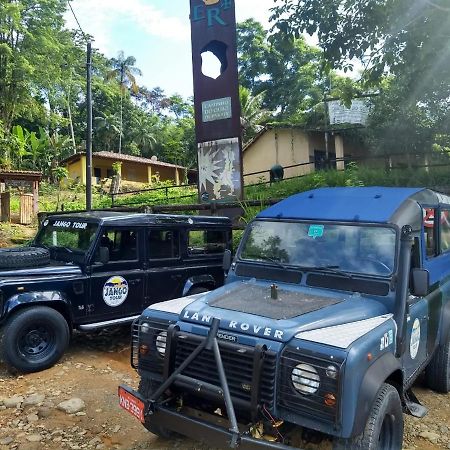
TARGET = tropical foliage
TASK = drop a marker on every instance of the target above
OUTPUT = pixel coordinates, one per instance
(404, 51)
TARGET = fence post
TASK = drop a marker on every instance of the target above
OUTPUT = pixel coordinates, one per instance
(5, 207)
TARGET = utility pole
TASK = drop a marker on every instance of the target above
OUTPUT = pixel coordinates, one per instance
(89, 127)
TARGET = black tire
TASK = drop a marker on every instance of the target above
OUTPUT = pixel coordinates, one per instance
(21, 257)
(146, 387)
(198, 290)
(437, 373)
(34, 339)
(384, 427)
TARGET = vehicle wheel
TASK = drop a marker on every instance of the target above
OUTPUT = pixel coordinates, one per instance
(34, 339)
(198, 290)
(437, 373)
(22, 257)
(146, 387)
(384, 427)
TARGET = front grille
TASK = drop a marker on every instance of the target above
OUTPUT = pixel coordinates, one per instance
(311, 405)
(152, 362)
(238, 365)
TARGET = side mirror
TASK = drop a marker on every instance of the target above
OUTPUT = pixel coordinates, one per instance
(103, 256)
(226, 264)
(420, 282)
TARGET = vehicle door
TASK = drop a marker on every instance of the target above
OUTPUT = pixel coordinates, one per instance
(424, 312)
(117, 286)
(165, 268)
(438, 265)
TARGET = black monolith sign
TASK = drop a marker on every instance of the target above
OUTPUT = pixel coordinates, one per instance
(217, 107)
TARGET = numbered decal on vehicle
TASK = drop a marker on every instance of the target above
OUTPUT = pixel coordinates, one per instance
(415, 339)
(386, 340)
(115, 291)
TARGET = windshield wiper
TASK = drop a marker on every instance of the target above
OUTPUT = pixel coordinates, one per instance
(333, 269)
(273, 260)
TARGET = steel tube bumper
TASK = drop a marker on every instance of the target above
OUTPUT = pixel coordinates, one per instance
(212, 434)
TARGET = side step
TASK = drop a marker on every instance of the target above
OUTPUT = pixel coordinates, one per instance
(413, 406)
(108, 323)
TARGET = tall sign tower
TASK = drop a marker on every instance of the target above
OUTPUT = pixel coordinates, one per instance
(216, 100)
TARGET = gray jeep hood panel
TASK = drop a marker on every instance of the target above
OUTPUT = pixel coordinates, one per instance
(254, 299)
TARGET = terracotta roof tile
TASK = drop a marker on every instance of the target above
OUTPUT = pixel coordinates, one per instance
(122, 157)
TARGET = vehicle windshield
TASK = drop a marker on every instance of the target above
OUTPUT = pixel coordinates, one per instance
(348, 248)
(67, 235)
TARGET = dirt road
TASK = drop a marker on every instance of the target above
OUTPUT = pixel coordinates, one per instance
(91, 371)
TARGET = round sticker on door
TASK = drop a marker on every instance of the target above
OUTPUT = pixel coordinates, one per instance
(115, 291)
(415, 339)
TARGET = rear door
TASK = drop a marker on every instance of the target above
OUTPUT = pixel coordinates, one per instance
(165, 271)
(117, 287)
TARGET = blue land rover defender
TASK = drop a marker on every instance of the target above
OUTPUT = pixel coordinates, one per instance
(336, 301)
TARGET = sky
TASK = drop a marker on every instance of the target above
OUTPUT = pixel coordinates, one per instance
(155, 32)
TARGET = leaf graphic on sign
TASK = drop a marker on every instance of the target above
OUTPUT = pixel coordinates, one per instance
(208, 165)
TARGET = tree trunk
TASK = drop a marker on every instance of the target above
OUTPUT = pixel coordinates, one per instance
(69, 113)
(121, 120)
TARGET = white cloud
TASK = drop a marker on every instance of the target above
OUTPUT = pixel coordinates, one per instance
(105, 18)
(256, 9)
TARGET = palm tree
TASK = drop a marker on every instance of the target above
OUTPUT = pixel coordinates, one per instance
(252, 113)
(144, 136)
(124, 72)
(109, 126)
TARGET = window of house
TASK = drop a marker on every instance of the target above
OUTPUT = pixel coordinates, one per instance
(429, 231)
(164, 244)
(122, 244)
(203, 242)
(445, 231)
(97, 172)
(109, 173)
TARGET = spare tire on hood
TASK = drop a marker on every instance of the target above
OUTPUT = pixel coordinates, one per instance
(22, 257)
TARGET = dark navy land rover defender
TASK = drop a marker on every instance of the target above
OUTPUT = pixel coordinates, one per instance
(336, 301)
(93, 270)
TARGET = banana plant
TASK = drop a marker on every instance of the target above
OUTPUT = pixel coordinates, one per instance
(21, 138)
(37, 146)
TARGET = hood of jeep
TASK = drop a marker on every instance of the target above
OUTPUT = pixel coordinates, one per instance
(249, 308)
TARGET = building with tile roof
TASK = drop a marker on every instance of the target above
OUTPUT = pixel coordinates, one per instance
(133, 168)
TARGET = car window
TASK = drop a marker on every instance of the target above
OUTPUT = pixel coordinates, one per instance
(359, 249)
(445, 231)
(429, 231)
(164, 244)
(206, 241)
(122, 244)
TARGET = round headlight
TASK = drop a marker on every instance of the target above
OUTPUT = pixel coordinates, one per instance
(161, 340)
(332, 372)
(305, 379)
(145, 327)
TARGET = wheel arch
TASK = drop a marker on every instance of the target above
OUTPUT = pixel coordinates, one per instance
(205, 280)
(386, 369)
(53, 299)
(445, 324)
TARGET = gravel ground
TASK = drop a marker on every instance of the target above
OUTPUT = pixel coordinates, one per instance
(35, 413)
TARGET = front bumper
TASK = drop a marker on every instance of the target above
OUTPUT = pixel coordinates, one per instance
(199, 428)
(213, 435)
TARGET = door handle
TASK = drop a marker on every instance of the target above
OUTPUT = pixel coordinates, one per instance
(176, 277)
(133, 282)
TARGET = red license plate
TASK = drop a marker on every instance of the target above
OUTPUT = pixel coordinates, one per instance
(131, 404)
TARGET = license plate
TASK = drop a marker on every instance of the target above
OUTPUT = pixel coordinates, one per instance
(132, 404)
